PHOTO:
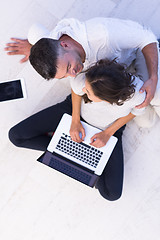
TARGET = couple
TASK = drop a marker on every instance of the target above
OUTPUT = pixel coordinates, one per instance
(104, 95)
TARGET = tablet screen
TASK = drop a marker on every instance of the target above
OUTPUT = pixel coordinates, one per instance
(11, 90)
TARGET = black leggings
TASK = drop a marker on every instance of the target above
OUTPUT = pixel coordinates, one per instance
(32, 133)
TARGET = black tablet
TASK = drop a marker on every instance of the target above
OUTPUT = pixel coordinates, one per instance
(12, 90)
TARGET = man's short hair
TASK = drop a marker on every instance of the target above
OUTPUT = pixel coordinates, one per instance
(43, 57)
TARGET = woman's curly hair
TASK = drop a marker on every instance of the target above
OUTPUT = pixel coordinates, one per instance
(110, 81)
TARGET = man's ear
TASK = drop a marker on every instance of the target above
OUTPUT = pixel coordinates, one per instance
(65, 45)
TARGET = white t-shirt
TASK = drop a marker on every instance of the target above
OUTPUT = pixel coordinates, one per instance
(102, 114)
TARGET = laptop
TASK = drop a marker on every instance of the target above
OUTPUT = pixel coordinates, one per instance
(81, 161)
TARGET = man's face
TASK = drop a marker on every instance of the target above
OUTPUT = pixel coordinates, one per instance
(69, 64)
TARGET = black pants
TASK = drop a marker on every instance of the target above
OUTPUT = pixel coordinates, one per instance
(32, 133)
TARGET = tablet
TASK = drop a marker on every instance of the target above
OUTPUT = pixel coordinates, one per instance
(12, 90)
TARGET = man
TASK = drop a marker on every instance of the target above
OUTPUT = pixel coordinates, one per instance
(73, 45)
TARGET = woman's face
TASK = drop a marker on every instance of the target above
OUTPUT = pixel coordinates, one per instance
(88, 90)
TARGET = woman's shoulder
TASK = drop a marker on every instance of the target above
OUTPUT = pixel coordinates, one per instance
(78, 83)
(138, 97)
(138, 83)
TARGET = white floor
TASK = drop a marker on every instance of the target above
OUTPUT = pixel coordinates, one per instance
(37, 203)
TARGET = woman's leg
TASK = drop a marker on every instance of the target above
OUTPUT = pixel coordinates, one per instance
(32, 132)
(111, 181)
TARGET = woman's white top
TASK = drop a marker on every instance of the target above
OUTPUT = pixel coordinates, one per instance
(103, 114)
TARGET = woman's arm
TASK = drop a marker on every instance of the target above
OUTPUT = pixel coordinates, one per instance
(76, 126)
(76, 106)
(100, 139)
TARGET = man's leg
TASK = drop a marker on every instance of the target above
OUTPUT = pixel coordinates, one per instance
(32, 132)
(111, 181)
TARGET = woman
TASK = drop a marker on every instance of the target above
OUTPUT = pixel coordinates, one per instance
(105, 96)
(111, 95)
(112, 92)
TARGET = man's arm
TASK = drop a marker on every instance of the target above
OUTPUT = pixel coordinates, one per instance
(150, 53)
(23, 46)
(100, 139)
(19, 46)
(131, 35)
(76, 126)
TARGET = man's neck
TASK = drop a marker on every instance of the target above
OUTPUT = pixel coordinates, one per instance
(74, 43)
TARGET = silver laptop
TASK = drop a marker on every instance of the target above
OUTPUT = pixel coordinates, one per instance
(80, 161)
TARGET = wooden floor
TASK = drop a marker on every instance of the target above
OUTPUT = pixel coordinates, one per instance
(37, 203)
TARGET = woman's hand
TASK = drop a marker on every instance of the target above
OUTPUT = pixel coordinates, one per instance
(100, 139)
(77, 131)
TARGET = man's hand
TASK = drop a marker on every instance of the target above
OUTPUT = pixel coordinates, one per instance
(100, 139)
(150, 87)
(19, 46)
(76, 130)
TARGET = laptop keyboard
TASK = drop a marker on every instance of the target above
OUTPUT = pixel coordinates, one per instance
(80, 151)
(70, 171)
